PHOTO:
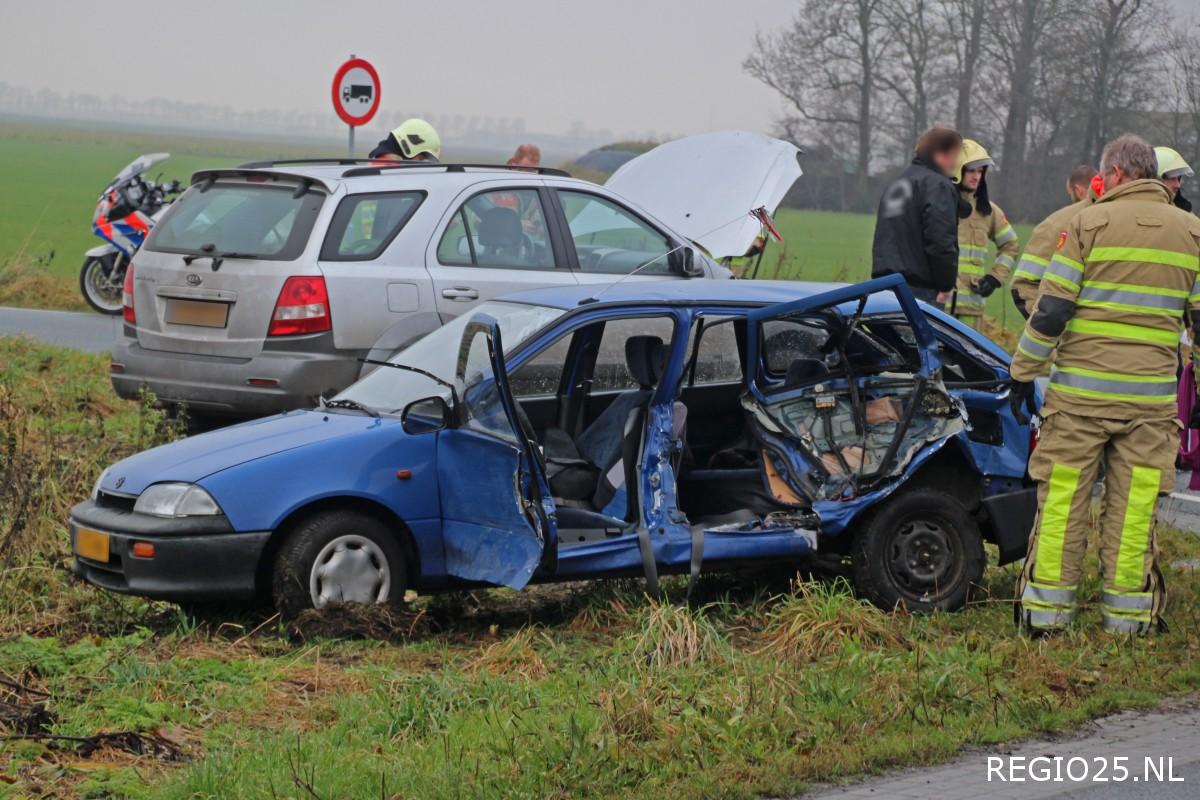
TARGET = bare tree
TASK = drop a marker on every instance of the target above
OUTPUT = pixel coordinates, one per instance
(1018, 30)
(1113, 32)
(914, 69)
(826, 66)
(963, 27)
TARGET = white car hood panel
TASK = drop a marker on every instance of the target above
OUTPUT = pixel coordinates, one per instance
(705, 186)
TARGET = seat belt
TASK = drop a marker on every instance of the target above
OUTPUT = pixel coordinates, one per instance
(649, 567)
(697, 558)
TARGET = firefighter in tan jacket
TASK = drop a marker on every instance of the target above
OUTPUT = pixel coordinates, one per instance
(987, 223)
(1107, 325)
(1044, 239)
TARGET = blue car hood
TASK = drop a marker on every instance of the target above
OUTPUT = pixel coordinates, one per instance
(199, 456)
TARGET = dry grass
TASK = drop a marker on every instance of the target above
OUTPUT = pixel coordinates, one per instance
(817, 620)
(26, 286)
(514, 657)
(676, 635)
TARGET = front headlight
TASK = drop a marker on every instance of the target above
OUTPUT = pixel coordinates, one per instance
(176, 500)
(96, 485)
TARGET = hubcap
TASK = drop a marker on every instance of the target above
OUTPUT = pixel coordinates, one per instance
(350, 569)
(924, 558)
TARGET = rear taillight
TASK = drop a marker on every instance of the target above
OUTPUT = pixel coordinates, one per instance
(127, 297)
(303, 307)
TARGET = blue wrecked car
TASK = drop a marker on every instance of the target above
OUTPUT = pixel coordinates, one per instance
(583, 432)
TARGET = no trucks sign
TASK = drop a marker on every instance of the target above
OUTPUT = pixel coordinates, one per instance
(355, 94)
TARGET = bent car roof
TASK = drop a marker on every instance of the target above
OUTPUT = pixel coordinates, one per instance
(696, 291)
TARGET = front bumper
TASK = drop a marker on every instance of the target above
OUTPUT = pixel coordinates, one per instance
(220, 384)
(195, 558)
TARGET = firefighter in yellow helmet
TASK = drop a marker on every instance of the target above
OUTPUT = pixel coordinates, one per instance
(987, 223)
(1107, 325)
(1172, 169)
(411, 140)
(1044, 238)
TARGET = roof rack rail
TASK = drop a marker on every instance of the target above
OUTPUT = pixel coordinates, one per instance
(377, 168)
(338, 161)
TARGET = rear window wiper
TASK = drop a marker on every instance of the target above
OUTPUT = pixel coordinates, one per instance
(378, 362)
(346, 402)
(210, 251)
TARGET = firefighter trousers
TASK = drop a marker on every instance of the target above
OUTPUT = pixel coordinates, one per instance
(1138, 459)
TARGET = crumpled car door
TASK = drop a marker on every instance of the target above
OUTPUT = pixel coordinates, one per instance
(497, 511)
(842, 411)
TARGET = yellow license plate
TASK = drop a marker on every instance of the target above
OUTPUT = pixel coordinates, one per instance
(204, 313)
(91, 545)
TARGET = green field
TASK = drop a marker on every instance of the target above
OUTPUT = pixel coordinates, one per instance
(56, 174)
(53, 177)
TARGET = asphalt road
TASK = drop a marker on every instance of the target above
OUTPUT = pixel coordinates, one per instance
(1137, 738)
(92, 333)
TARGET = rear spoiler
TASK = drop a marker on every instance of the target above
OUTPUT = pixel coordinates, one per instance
(211, 176)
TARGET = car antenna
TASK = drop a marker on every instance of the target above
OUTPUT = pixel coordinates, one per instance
(596, 297)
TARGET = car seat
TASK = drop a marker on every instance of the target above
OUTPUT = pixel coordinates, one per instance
(590, 467)
(500, 233)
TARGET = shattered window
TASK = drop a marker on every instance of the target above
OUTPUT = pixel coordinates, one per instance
(717, 359)
(541, 375)
(611, 372)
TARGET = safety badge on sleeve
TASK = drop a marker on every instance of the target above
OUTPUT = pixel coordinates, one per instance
(1062, 239)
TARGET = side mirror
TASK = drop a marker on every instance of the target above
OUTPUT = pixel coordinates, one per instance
(427, 415)
(690, 268)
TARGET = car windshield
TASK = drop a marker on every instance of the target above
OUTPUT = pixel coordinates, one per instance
(389, 390)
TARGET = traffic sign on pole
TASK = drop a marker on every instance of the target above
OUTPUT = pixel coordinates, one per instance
(356, 94)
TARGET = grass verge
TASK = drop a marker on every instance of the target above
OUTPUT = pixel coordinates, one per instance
(27, 286)
(580, 690)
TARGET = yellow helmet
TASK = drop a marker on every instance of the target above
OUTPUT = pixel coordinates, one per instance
(971, 156)
(416, 136)
(1171, 164)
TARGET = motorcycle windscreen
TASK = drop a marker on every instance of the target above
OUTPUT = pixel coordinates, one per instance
(833, 408)
(497, 511)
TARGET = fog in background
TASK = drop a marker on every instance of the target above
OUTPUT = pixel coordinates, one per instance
(621, 68)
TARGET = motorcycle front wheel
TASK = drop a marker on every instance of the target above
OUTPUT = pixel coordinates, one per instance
(102, 279)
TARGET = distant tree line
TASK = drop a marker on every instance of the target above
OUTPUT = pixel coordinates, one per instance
(1042, 84)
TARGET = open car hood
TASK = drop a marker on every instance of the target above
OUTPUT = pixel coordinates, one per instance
(705, 186)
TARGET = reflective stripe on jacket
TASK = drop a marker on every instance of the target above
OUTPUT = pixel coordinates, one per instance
(1040, 250)
(1127, 272)
(975, 233)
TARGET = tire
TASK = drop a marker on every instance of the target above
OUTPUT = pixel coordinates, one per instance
(361, 557)
(920, 550)
(98, 288)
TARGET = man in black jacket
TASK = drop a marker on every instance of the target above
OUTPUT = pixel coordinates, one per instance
(916, 228)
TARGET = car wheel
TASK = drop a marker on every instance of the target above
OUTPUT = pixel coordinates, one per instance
(338, 557)
(919, 550)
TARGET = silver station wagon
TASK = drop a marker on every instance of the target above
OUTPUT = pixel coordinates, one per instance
(272, 284)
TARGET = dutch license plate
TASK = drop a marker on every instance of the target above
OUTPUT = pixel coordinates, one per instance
(91, 544)
(206, 314)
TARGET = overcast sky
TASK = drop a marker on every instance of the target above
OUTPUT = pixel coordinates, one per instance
(670, 66)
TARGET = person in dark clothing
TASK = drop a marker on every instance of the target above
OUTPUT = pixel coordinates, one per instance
(916, 228)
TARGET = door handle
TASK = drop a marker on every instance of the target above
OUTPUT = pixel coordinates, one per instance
(461, 293)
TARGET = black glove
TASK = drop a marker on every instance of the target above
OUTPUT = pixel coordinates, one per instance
(1020, 397)
(986, 285)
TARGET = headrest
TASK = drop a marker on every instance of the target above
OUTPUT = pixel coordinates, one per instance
(803, 370)
(500, 227)
(645, 356)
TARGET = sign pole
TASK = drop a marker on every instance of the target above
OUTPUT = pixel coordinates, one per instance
(351, 127)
